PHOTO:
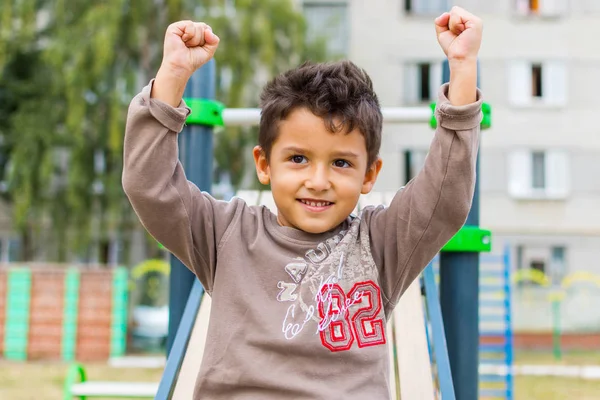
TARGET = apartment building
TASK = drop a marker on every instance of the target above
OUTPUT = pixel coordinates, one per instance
(540, 162)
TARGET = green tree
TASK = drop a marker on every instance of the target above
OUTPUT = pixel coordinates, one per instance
(23, 82)
(70, 68)
(259, 39)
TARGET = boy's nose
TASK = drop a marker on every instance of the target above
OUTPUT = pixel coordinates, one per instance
(318, 180)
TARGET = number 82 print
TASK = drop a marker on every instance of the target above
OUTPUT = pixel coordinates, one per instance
(338, 329)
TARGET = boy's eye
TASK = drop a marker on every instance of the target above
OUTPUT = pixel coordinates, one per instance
(341, 163)
(298, 159)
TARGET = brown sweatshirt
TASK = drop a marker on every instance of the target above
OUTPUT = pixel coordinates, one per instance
(298, 315)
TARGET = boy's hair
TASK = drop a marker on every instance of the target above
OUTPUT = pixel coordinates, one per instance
(336, 92)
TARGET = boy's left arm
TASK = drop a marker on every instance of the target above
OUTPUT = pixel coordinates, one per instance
(433, 206)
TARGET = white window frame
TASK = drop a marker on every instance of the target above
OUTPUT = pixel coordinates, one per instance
(426, 7)
(554, 83)
(412, 81)
(556, 175)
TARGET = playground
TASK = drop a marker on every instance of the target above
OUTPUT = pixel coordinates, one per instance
(431, 359)
(510, 365)
(487, 319)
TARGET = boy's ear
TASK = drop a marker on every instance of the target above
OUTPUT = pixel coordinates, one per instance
(262, 165)
(371, 176)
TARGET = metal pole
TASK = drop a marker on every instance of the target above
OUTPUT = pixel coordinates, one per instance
(459, 294)
(251, 116)
(196, 154)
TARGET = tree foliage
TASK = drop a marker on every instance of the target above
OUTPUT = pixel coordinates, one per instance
(68, 71)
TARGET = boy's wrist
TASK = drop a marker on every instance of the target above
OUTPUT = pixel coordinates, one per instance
(169, 85)
(175, 72)
(463, 82)
(467, 64)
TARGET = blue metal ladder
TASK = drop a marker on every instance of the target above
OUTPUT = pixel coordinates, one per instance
(495, 328)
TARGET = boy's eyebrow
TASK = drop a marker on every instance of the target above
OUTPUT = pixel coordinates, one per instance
(345, 154)
(294, 149)
(341, 154)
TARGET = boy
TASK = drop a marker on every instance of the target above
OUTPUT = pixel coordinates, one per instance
(300, 300)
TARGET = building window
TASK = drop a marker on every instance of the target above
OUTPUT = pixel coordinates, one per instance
(537, 83)
(540, 265)
(536, 80)
(422, 81)
(328, 22)
(534, 5)
(538, 174)
(525, 7)
(558, 264)
(548, 8)
(538, 170)
(413, 163)
(426, 7)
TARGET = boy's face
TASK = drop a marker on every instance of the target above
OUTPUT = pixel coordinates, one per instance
(316, 176)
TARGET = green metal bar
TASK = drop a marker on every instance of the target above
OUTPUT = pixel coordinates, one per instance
(71, 303)
(119, 313)
(470, 238)
(75, 374)
(16, 326)
(205, 112)
(486, 120)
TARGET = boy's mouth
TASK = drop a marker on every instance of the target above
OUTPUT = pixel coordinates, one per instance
(316, 204)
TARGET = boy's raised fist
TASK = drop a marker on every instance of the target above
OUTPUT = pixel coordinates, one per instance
(459, 34)
(188, 45)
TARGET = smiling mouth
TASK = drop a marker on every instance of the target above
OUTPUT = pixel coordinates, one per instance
(315, 203)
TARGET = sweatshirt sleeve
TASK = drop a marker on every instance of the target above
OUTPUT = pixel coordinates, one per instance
(188, 222)
(425, 214)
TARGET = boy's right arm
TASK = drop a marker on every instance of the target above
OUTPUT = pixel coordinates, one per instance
(171, 208)
(153, 178)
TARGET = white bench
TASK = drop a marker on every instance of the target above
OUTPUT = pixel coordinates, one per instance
(77, 386)
(114, 389)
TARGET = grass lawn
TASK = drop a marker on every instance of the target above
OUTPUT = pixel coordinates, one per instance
(45, 380)
(35, 380)
(554, 388)
(546, 358)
